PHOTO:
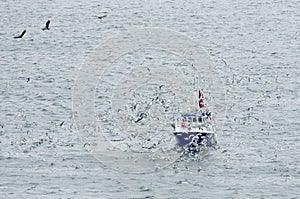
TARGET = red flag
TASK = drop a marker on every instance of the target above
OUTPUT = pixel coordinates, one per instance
(201, 104)
(201, 98)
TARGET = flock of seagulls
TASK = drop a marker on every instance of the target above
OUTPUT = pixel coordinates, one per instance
(145, 112)
(47, 27)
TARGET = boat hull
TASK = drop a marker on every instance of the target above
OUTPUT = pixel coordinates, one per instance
(195, 139)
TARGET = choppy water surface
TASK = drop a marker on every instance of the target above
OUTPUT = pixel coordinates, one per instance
(254, 45)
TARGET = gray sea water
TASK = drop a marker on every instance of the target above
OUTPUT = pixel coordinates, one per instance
(253, 44)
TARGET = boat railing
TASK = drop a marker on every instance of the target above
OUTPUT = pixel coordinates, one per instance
(194, 122)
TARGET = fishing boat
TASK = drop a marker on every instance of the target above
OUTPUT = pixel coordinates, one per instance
(195, 129)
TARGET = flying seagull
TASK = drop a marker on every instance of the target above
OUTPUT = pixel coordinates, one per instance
(101, 17)
(47, 26)
(21, 35)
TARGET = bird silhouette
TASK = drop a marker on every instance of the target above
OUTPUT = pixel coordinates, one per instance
(21, 35)
(47, 26)
(101, 17)
(62, 123)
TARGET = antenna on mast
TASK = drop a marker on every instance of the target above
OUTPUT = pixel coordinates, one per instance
(196, 89)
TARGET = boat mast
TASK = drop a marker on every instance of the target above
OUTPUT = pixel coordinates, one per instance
(196, 90)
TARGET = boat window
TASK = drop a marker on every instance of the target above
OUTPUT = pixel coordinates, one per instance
(189, 119)
(194, 119)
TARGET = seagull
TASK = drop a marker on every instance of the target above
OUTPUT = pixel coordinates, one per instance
(142, 115)
(46, 26)
(86, 144)
(138, 119)
(21, 35)
(101, 17)
(173, 125)
(224, 62)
